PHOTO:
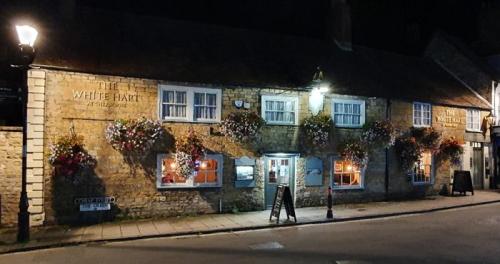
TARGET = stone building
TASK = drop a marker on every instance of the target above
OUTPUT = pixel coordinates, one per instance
(81, 86)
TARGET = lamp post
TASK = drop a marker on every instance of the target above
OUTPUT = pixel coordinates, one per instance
(27, 36)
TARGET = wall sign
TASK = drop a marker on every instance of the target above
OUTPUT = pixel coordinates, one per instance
(106, 94)
(314, 172)
(95, 203)
(450, 118)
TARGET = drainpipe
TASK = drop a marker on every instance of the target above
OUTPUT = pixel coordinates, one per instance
(386, 178)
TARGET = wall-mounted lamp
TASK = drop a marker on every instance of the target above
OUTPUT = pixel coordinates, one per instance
(318, 90)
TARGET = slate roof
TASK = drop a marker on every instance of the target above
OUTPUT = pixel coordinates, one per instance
(182, 51)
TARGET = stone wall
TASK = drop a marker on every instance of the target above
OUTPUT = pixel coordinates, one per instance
(10, 174)
(88, 103)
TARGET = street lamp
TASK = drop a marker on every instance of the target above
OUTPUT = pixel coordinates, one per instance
(27, 37)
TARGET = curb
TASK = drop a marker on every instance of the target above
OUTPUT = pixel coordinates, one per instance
(245, 228)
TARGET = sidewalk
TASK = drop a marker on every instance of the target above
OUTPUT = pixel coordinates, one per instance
(54, 236)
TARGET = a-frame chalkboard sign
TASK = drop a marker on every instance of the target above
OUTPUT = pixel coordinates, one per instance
(283, 195)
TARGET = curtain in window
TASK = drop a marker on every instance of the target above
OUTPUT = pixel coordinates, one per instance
(205, 105)
(174, 104)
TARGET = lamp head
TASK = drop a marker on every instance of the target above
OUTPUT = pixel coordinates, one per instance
(26, 34)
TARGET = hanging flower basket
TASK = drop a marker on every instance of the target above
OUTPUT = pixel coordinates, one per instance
(451, 150)
(133, 137)
(189, 150)
(317, 129)
(355, 151)
(379, 134)
(427, 137)
(68, 155)
(241, 126)
(408, 151)
(412, 144)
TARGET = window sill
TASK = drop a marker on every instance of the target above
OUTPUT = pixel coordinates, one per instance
(348, 188)
(422, 125)
(280, 124)
(344, 126)
(421, 183)
(163, 188)
(473, 131)
(190, 122)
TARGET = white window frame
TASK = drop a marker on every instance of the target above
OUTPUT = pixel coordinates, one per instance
(362, 111)
(431, 181)
(361, 185)
(190, 181)
(294, 99)
(470, 112)
(421, 116)
(190, 91)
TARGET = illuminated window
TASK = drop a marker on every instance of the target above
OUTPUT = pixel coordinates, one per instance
(346, 175)
(473, 120)
(190, 104)
(281, 110)
(348, 113)
(422, 115)
(208, 173)
(422, 171)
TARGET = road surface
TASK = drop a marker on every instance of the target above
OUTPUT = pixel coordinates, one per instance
(469, 235)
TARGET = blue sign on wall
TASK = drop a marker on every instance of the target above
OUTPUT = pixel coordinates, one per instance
(314, 172)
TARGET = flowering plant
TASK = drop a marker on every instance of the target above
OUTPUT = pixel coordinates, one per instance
(427, 137)
(241, 126)
(133, 136)
(379, 134)
(68, 155)
(189, 149)
(317, 129)
(408, 150)
(354, 151)
(451, 150)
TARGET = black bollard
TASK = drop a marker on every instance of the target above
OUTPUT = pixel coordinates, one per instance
(329, 213)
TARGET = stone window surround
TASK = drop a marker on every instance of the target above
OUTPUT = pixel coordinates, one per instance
(412, 174)
(292, 98)
(190, 91)
(421, 117)
(189, 185)
(470, 127)
(361, 186)
(362, 111)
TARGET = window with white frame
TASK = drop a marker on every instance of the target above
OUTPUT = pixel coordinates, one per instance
(281, 110)
(422, 171)
(208, 172)
(191, 104)
(422, 114)
(346, 175)
(473, 120)
(348, 113)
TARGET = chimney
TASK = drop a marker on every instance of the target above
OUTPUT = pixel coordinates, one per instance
(339, 24)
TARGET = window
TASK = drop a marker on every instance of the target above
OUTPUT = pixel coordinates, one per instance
(207, 174)
(281, 110)
(422, 172)
(348, 113)
(473, 120)
(421, 115)
(191, 104)
(346, 175)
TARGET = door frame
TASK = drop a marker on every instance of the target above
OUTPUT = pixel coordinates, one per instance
(293, 167)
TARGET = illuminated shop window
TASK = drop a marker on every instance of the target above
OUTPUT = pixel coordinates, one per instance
(208, 173)
(422, 114)
(280, 110)
(422, 172)
(189, 104)
(346, 175)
